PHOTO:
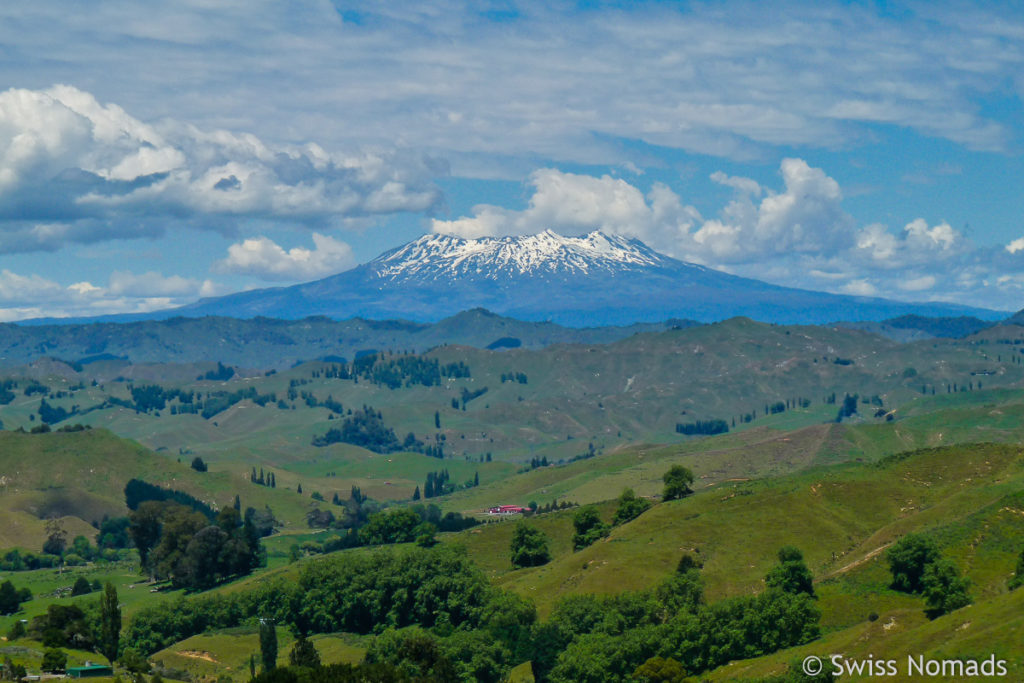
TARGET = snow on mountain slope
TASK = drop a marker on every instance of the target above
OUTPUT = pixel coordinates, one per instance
(434, 257)
(592, 280)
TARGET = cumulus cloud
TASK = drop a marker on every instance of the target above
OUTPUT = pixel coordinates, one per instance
(571, 203)
(34, 296)
(1015, 246)
(263, 258)
(918, 244)
(75, 170)
(806, 217)
(797, 235)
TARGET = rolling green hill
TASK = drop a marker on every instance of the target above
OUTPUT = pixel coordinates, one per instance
(79, 477)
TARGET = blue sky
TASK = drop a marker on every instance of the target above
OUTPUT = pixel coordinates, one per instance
(150, 155)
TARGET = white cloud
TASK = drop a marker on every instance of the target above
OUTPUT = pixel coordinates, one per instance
(263, 258)
(918, 244)
(21, 289)
(441, 75)
(806, 217)
(918, 284)
(573, 204)
(859, 288)
(151, 284)
(799, 235)
(75, 170)
(34, 296)
(745, 185)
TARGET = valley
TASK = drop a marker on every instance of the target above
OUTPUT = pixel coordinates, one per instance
(835, 441)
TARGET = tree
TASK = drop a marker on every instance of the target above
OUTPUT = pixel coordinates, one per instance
(10, 598)
(144, 527)
(1018, 578)
(11, 671)
(56, 538)
(908, 559)
(416, 494)
(268, 644)
(179, 526)
(135, 663)
(437, 419)
(110, 623)
(54, 660)
(791, 574)
(677, 483)
(589, 527)
(944, 589)
(198, 465)
(304, 653)
(529, 546)
(630, 507)
(203, 562)
(426, 534)
(659, 670)
(81, 587)
(16, 631)
(81, 547)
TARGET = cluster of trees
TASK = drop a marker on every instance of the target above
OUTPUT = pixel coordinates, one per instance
(221, 373)
(529, 546)
(62, 626)
(393, 370)
(137, 492)
(365, 428)
(519, 377)
(263, 479)
(80, 550)
(848, 407)
(590, 638)
(438, 618)
(16, 561)
(34, 387)
(705, 427)
(11, 597)
(466, 396)
(677, 482)
(917, 567)
(6, 395)
(372, 526)
(630, 507)
(54, 414)
(589, 527)
(194, 552)
(585, 455)
(439, 483)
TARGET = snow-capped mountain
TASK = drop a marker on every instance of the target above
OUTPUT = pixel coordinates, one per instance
(592, 280)
(434, 257)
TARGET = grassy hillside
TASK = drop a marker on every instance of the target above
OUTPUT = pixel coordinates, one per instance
(519, 404)
(840, 516)
(79, 477)
(843, 516)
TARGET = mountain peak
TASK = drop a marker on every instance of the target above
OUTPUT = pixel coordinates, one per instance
(437, 256)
